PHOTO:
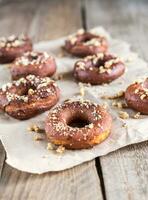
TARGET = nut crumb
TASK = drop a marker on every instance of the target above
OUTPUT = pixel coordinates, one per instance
(34, 128)
(137, 115)
(82, 90)
(124, 125)
(50, 146)
(58, 77)
(30, 91)
(105, 105)
(91, 125)
(118, 95)
(38, 137)
(60, 149)
(117, 104)
(123, 115)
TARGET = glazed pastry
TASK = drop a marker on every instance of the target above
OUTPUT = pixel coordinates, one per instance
(27, 97)
(136, 96)
(98, 69)
(95, 124)
(35, 63)
(13, 47)
(85, 43)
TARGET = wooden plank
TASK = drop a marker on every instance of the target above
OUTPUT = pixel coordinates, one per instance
(125, 171)
(46, 20)
(2, 158)
(80, 182)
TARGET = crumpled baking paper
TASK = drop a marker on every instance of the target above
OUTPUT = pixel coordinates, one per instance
(32, 156)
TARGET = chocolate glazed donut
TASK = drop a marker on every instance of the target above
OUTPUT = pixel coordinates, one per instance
(13, 47)
(36, 63)
(98, 69)
(27, 97)
(94, 120)
(136, 96)
(85, 43)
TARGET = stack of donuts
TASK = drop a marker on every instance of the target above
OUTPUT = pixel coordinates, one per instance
(75, 124)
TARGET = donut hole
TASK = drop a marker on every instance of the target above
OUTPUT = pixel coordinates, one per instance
(101, 62)
(86, 38)
(78, 121)
(33, 57)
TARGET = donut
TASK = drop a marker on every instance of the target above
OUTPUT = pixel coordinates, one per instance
(27, 97)
(13, 47)
(85, 43)
(98, 69)
(136, 96)
(36, 63)
(94, 124)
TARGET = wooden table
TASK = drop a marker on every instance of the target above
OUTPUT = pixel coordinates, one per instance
(121, 175)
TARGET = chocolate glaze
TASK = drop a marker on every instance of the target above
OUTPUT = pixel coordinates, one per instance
(8, 53)
(60, 132)
(136, 96)
(36, 63)
(91, 73)
(26, 97)
(79, 47)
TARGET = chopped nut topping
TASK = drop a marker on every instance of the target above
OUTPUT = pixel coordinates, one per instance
(81, 65)
(143, 96)
(30, 91)
(90, 125)
(124, 125)
(34, 128)
(82, 90)
(50, 146)
(136, 91)
(39, 137)
(73, 40)
(123, 115)
(60, 149)
(12, 41)
(117, 104)
(105, 105)
(32, 58)
(93, 41)
(58, 77)
(118, 95)
(137, 115)
(80, 31)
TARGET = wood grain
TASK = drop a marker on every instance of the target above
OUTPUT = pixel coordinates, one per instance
(80, 182)
(46, 20)
(125, 172)
(2, 158)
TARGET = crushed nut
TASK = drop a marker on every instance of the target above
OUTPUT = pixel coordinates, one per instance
(124, 125)
(58, 77)
(34, 128)
(91, 125)
(137, 115)
(38, 137)
(142, 96)
(105, 105)
(60, 149)
(123, 115)
(30, 91)
(82, 90)
(50, 146)
(118, 95)
(117, 104)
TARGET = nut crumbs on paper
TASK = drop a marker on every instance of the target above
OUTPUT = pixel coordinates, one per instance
(60, 149)
(123, 115)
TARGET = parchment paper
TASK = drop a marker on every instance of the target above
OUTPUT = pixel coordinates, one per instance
(31, 156)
